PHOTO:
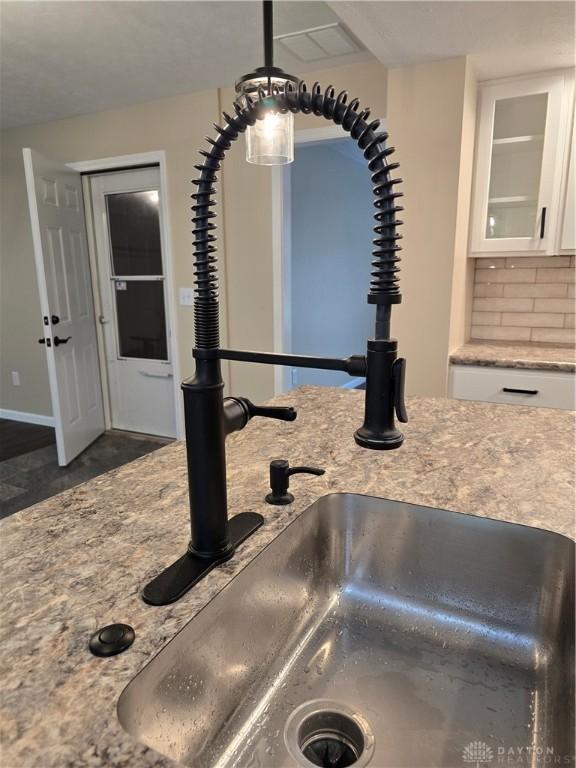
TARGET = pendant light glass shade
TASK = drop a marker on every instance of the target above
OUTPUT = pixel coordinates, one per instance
(270, 141)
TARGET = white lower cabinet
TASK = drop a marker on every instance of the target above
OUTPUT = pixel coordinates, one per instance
(513, 386)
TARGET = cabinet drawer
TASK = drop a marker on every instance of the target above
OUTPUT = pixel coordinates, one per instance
(547, 389)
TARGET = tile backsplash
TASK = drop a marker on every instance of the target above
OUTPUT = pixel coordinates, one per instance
(524, 299)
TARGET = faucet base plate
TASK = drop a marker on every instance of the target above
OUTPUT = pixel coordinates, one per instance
(189, 569)
(386, 441)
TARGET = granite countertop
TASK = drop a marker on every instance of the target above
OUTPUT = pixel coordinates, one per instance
(542, 357)
(78, 561)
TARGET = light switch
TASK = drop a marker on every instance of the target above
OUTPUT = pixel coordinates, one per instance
(15, 378)
(186, 297)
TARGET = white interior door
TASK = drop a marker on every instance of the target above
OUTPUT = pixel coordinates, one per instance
(128, 232)
(63, 270)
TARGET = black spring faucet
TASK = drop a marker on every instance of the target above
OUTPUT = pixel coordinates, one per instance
(209, 417)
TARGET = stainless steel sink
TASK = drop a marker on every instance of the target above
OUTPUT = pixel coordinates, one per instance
(373, 632)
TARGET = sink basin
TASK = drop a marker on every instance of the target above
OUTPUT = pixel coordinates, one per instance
(373, 632)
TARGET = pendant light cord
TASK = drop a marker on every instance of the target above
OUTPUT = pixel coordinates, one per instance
(268, 33)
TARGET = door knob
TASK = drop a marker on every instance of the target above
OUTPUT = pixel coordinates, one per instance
(58, 341)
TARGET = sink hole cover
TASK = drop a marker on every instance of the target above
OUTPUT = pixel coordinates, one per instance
(328, 735)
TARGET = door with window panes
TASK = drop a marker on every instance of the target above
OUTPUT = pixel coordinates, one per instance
(133, 291)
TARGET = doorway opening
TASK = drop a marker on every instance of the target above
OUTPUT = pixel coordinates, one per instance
(325, 248)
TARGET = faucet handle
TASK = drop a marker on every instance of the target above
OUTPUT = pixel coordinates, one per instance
(282, 414)
(398, 383)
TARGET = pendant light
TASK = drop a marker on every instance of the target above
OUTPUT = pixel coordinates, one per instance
(270, 141)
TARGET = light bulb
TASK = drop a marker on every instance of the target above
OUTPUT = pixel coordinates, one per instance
(270, 141)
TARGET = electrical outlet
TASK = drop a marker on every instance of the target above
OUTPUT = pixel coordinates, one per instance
(186, 297)
(15, 379)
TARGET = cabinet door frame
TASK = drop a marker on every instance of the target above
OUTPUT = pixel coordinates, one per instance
(566, 213)
(551, 171)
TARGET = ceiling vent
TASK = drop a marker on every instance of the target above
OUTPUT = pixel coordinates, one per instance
(319, 42)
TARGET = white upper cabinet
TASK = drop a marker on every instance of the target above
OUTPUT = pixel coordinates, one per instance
(521, 154)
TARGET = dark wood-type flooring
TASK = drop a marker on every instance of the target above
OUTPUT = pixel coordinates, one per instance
(29, 470)
(17, 438)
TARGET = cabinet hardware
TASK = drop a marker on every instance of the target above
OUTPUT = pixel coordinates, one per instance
(543, 223)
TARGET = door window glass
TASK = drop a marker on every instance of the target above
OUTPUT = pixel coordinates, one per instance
(134, 233)
(141, 319)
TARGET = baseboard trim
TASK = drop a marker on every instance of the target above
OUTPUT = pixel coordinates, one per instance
(30, 418)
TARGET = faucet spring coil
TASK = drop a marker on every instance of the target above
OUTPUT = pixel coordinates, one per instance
(384, 285)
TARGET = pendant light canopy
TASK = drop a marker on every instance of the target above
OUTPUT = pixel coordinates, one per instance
(270, 141)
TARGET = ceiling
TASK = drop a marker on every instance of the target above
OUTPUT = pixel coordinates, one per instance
(61, 59)
(502, 38)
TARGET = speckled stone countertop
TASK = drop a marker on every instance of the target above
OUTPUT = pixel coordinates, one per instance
(543, 357)
(79, 560)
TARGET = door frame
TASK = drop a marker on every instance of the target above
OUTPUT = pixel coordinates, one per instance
(282, 248)
(119, 163)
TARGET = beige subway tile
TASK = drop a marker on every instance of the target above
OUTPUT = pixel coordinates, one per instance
(486, 318)
(485, 276)
(569, 321)
(489, 290)
(554, 335)
(500, 333)
(486, 263)
(571, 291)
(565, 275)
(553, 305)
(514, 262)
(531, 319)
(503, 305)
(536, 290)
(505, 275)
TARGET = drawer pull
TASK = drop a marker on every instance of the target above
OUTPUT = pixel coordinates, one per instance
(514, 391)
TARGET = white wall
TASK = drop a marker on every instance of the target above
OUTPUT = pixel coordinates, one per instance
(331, 235)
(430, 117)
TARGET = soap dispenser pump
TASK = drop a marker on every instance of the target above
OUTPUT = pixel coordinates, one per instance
(280, 472)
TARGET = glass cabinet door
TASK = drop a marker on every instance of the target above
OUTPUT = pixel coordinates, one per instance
(516, 165)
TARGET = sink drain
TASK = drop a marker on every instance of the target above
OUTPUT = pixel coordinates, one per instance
(331, 740)
(329, 735)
